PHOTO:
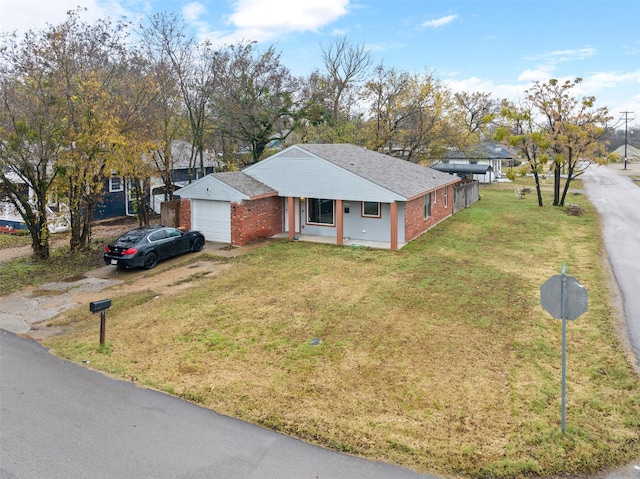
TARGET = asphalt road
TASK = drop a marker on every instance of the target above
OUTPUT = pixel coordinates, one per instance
(617, 199)
(61, 420)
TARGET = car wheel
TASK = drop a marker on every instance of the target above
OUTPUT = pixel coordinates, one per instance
(150, 261)
(198, 244)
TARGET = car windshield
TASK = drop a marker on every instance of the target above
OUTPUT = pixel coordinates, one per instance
(132, 236)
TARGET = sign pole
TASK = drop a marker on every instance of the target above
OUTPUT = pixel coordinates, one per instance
(563, 300)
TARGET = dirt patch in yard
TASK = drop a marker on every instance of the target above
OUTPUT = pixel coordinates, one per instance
(39, 312)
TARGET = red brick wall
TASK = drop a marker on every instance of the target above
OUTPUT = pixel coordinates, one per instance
(185, 213)
(414, 221)
(256, 219)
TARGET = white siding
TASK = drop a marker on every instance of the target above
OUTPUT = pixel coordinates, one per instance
(212, 219)
(313, 177)
(209, 188)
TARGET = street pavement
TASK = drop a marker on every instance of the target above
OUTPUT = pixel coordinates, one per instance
(617, 199)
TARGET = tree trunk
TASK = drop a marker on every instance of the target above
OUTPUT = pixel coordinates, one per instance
(570, 169)
(141, 191)
(556, 184)
(538, 191)
(40, 238)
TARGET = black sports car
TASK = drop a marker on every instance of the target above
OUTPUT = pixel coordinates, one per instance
(144, 247)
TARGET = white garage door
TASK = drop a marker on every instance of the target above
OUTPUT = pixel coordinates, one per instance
(212, 219)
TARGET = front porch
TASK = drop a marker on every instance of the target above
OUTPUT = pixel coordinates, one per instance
(340, 229)
(346, 242)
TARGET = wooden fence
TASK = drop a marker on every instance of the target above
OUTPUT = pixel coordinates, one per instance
(170, 213)
(465, 194)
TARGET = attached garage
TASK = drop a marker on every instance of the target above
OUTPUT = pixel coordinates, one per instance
(229, 208)
(212, 219)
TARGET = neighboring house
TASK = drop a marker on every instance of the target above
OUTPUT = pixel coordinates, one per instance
(481, 162)
(115, 201)
(58, 218)
(118, 200)
(182, 173)
(338, 193)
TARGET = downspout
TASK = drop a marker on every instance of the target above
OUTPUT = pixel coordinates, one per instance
(292, 217)
(394, 225)
(340, 223)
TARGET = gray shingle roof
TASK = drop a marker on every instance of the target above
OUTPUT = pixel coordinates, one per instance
(462, 168)
(400, 176)
(181, 151)
(481, 151)
(244, 183)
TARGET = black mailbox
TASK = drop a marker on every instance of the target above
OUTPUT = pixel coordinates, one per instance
(97, 306)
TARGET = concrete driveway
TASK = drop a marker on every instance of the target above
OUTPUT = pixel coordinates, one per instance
(27, 312)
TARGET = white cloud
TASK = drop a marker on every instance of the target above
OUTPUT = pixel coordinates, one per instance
(561, 56)
(473, 84)
(619, 91)
(542, 73)
(606, 80)
(439, 22)
(23, 15)
(192, 11)
(632, 49)
(263, 20)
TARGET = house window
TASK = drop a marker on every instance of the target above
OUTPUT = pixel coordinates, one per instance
(115, 183)
(427, 205)
(320, 211)
(446, 196)
(371, 209)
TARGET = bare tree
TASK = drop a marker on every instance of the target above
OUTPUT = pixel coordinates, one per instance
(194, 67)
(254, 104)
(166, 118)
(346, 64)
(478, 111)
(391, 105)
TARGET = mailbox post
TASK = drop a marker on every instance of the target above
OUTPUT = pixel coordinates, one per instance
(101, 307)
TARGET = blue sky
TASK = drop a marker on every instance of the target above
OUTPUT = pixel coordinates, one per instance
(499, 47)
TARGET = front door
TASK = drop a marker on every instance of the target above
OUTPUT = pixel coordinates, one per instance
(296, 202)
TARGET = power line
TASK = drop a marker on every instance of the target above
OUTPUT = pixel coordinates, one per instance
(626, 122)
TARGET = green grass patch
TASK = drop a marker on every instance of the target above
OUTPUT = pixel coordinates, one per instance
(25, 272)
(438, 357)
(14, 240)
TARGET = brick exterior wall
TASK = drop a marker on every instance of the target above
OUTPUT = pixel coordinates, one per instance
(256, 219)
(185, 213)
(415, 223)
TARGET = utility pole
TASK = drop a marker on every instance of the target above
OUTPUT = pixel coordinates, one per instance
(626, 121)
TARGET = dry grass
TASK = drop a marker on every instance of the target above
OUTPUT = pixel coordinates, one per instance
(438, 357)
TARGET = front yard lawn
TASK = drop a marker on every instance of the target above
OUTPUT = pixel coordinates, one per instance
(438, 357)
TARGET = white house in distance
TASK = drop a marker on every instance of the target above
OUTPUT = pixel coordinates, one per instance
(482, 162)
